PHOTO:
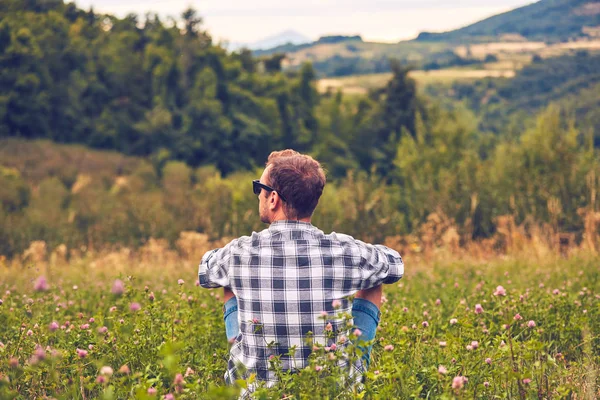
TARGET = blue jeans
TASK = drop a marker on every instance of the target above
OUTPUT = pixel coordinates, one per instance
(365, 314)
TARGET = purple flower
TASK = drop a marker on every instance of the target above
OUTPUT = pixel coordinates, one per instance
(517, 317)
(180, 281)
(488, 361)
(458, 382)
(118, 287)
(53, 326)
(475, 344)
(336, 304)
(389, 347)
(531, 324)
(135, 307)
(41, 284)
(151, 391)
(425, 324)
(478, 309)
(500, 291)
(442, 370)
(82, 353)
(527, 381)
(453, 321)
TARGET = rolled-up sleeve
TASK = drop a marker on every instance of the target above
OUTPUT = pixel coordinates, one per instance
(379, 265)
(214, 268)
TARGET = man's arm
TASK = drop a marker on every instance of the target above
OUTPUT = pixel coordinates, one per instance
(379, 265)
(214, 267)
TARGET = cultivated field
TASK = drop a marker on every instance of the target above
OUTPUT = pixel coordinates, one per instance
(123, 325)
(361, 84)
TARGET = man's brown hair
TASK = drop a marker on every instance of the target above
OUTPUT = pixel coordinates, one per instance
(299, 178)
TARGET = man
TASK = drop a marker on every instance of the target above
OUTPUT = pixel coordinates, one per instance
(291, 280)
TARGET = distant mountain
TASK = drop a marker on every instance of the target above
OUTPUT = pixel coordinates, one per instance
(288, 37)
(545, 20)
(292, 47)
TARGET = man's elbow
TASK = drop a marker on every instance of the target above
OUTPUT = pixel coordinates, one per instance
(395, 273)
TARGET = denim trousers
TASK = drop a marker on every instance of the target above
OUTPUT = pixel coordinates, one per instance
(365, 314)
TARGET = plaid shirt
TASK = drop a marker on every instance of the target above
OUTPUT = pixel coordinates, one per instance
(285, 278)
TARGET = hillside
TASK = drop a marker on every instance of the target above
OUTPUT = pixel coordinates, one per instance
(546, 20)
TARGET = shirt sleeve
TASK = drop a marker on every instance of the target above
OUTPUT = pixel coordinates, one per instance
(378, 265)
(214, 267)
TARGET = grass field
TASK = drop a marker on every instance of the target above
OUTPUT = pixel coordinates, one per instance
(120, 325)
(361, 84)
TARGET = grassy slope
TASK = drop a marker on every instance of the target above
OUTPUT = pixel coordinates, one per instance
(546, 20)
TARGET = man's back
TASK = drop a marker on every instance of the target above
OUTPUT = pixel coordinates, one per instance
(291, 280)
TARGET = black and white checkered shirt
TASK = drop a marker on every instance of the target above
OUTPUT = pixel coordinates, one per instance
(285, 279)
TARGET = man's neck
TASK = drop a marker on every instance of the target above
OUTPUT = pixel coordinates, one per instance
(284, 218)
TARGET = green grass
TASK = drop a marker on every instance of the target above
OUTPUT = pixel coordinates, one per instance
(179, 328)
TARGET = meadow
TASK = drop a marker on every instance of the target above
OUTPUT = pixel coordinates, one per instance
(124, 324)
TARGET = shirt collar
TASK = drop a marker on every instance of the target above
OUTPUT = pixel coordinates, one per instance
(284, 225)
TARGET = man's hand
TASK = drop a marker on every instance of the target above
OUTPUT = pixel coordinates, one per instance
(373, 295)
(228, 294)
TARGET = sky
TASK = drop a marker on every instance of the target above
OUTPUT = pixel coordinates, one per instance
(243, 21)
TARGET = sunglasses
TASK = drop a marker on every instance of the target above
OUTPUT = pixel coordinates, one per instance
(257, 187)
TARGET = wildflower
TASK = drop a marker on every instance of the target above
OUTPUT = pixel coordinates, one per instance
(91, 320)
(124, 369)
(29, 332)
(151, 296)
(389, 347)
(478, 309)
(488, 361)
(189, 372)
(469, 347)
(255, 320)
(527, 381)
(84, 326)
(82, 353)
(106, 370)
(458, 382)
(453, 321)
(336, 304)
(517, 317)
(438, 302)
(486, 384)
(376, 372)
(556, 292)
(357, 332)
(75, 287)
(500, 291)
(152, 391)
(113, 309)
(333, 347)
(328, 327)
(1, 345)
(502, 343)
(169, 396)
(442, 344)
(39, 354)
(178, 379)
(118, 287)
(13, 362)
(1, 302)
(405, 309)
(53, 326)
(135, 307)
(91, 347)
(318, 368)
(41, 284)
(442, 370)
(101, 379)
(425, 324)
(531, 324)
(103, 329)
(475, 344)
